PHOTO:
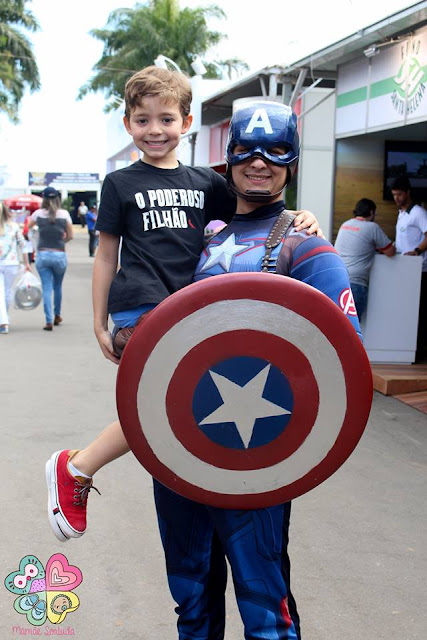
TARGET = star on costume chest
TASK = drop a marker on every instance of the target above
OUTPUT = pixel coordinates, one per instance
(222, 254)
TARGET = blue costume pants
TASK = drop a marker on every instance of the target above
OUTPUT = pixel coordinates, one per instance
(195, 538)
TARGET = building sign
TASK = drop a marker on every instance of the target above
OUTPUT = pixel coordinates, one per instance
(410, 79)
(40, 178)
(386, 90)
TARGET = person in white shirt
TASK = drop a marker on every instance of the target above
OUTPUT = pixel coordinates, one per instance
(81, 212)
(411, 240)
(11, 240)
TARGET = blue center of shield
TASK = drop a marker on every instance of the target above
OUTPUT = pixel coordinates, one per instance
(243, 402)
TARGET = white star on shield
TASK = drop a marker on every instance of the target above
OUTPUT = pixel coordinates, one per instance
(223, 253)
(243, 405)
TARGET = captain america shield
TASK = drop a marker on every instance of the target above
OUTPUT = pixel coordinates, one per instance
(244, 390)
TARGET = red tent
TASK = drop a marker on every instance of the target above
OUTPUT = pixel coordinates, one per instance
(27, 201)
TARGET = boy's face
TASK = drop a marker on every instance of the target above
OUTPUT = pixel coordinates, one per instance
(156, 127)
(254, 174)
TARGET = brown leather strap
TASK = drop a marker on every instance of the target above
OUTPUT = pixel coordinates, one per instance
(275, 237)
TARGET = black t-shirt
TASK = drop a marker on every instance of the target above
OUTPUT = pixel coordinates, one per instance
(160, 215)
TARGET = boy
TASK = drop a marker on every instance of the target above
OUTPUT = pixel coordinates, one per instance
(158, 209)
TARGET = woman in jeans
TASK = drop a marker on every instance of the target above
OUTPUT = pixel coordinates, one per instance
(10, 239)
(55, 229)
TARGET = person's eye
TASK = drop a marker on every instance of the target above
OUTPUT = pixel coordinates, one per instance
(239, 149)
(142, 121)
(277, 151)
(168, 120)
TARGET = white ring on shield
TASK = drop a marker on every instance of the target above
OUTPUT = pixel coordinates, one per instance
(237, 315)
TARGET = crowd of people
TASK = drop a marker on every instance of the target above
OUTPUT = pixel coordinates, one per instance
(41, 241)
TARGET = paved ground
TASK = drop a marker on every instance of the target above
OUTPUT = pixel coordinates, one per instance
(358, 542)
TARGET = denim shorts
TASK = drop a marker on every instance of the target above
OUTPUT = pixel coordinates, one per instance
(128, 318)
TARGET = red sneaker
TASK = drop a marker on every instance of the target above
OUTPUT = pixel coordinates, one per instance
(67, 497)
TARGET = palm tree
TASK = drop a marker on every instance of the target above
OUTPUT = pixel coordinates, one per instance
(234, 67)
(18, 67)
(133, 38)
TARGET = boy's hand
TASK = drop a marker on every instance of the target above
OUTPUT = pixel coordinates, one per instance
(106, 343)
(308, 221)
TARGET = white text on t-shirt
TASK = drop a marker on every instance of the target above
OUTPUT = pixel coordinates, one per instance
(172, 198)
(173, 218)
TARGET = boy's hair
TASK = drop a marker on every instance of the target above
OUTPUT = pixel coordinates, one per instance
(364, 208)
(170, 86)
(401, 183)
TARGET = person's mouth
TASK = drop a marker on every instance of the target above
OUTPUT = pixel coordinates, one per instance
(256, 178)
(155, 144)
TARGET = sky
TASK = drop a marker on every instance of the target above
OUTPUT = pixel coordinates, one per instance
(57, 133)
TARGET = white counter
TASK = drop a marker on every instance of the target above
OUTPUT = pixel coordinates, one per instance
(390, 324)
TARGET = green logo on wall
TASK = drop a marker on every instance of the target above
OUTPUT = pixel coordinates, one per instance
(410, 86)
(409, 78)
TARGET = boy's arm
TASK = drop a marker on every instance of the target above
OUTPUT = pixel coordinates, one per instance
(104, 270)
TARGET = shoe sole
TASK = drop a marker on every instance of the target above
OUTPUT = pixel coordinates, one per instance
(58, 523)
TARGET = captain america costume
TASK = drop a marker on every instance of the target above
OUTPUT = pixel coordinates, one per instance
(240, 247)
(254, 541)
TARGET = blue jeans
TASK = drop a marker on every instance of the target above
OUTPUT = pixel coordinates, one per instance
(360, 295)
(51, 266)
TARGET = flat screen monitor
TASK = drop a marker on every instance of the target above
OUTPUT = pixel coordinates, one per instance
(406, 158)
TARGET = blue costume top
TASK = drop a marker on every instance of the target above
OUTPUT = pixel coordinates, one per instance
(196, 536)
(240, 247)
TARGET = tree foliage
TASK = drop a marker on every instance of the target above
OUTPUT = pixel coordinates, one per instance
(18, 67)
(133, 38)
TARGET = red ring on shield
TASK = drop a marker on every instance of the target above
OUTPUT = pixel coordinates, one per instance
(227, 345)
(174, 313)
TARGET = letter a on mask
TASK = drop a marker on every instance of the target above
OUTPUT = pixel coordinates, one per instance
(259, 120)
